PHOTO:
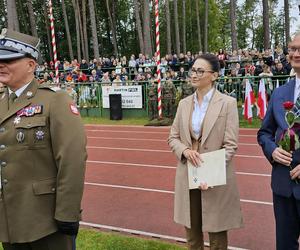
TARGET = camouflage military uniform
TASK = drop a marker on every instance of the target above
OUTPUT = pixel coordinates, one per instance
(186, 89)
(152, 100)
(168, 98)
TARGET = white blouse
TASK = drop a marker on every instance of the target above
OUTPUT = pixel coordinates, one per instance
(200, 111)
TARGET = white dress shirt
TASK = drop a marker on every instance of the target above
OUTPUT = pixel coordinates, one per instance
(297, 89)
(200, 111)
(19, 91)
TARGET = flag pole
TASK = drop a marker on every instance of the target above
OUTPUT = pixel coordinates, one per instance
(159, 107)
(53, 41)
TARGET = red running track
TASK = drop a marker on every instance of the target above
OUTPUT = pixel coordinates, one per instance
(130, 183)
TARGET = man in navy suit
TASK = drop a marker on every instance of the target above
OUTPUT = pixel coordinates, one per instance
(286, 191)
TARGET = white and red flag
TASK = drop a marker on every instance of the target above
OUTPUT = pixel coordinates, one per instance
(262, 100)
(249, 101)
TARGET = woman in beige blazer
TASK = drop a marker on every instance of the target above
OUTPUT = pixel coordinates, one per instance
(205, 121)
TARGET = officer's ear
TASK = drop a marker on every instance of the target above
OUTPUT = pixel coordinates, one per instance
(31, 63)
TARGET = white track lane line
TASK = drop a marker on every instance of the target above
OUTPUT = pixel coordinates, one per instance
(142, 139)
(143, 233)
(141, 132)
(163, 167)
(161, 191)
(163, 151)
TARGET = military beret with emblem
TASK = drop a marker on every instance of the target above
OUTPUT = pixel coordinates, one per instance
(14, 45)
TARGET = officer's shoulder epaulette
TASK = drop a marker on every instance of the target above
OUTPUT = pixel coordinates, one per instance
(49, 86)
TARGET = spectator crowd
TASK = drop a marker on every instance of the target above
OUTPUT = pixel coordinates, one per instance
(236, 67)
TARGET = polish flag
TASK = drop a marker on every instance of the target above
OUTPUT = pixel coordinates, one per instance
(249, 101)
(262, 99)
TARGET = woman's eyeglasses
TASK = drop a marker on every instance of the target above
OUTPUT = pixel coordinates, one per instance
(199, 72)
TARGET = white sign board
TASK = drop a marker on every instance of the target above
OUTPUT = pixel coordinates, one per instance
(132, 97)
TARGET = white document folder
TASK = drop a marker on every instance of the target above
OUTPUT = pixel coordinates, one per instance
(212, 170)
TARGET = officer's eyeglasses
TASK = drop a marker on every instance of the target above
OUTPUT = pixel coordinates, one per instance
(292, 50)
(198, 72)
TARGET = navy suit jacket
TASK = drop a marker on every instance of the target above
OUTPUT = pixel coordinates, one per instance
(268, 135)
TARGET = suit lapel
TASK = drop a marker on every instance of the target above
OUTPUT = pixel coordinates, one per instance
(211, 115)
(186, 115)
(22, 101)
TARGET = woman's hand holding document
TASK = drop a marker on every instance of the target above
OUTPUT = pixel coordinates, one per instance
(206, 170)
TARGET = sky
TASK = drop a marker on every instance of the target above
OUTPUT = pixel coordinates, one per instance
(294, 13)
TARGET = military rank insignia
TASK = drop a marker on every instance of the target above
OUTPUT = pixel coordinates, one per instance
(74, 109)
(39, 135)
(30, 110)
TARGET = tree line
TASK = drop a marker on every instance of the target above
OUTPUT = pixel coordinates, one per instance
(86, 29)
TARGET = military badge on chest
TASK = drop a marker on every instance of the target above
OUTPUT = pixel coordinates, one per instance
(20, 136)
(39, 134)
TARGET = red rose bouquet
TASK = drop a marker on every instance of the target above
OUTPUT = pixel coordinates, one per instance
(289, 140)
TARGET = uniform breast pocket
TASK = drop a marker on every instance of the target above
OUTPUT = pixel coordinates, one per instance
(32, 133)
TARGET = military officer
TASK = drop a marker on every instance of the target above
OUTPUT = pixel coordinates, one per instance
(152, 100)
(186, 88)
(168, 98)
(42, 154)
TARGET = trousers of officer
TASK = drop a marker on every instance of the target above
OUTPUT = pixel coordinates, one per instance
(55, 241)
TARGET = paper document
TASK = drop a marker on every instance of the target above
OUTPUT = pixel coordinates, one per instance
(212, 170)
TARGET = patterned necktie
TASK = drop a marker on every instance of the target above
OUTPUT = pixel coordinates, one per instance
(12, 98)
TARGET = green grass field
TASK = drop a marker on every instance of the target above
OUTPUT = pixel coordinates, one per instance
(89, 239)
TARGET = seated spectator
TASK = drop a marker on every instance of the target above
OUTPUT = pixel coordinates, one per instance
(268, 59)
(60, 66)
(84, 67)
(163, 65)
(123, 73)
(93, 65)
(280, 74)
(124, 61)
(249, 68)
(182, 75)
(117, 81)
(69, 77)
(118, 68)
(62, 77)
(106, 79)
(268, 80)
(95, 76)
(82, 77)
(259, 67)
(67, 66)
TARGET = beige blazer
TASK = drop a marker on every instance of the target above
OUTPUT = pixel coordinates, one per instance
(220, 205)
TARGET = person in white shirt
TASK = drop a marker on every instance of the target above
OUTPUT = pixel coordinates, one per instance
(205, 121)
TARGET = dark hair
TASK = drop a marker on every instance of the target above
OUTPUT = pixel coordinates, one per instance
(212, 60)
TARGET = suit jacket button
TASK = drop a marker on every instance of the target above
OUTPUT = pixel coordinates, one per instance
(5, 181)
(2, 130)
(2, 147)
(53, 190)
(3, 164)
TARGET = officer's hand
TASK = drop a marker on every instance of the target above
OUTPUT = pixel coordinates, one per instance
(193, 156)
(295, 172)
(281, 156)
(69, 228)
